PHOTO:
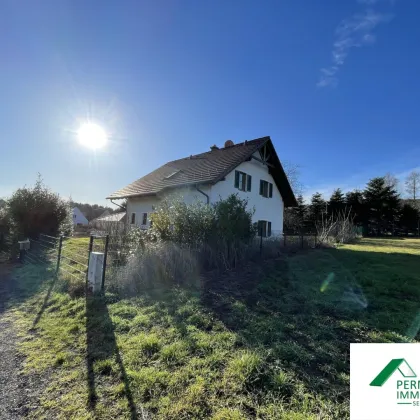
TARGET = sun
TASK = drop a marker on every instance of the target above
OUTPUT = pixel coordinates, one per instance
(92, 136)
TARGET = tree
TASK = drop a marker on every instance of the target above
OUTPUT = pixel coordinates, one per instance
(412, 185)
(356, 207)
(382, 205)
(292, 172)
(392, 181)
(336, 204)
(317, 208)
(38, 210)
(295, 218)
(409, 220)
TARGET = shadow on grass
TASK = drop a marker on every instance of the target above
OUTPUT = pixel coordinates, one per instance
(45, 302)
(19, 282)
(101, 346)
(307, 309)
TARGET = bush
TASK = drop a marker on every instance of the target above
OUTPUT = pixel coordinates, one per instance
(38, 210)
(183, 240)
(337, 230)
(184, 223)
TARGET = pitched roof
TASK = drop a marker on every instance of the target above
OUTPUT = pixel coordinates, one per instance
(204, 168)
(114, 217)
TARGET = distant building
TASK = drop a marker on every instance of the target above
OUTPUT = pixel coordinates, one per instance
(79, 218)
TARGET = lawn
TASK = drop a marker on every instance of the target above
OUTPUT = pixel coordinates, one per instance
(268, 342)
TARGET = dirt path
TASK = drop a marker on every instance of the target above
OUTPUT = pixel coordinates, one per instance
(18, 392)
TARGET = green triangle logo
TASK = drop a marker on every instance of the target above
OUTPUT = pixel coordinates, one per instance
(395, 364)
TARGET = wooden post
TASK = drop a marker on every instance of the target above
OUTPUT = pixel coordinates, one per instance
(284, 236)
(261, 241)
(104, 266)
(60, 246)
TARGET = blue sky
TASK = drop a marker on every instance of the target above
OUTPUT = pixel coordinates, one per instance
(333, 82)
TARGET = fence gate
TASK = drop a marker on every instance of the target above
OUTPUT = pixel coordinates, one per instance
(70, 256)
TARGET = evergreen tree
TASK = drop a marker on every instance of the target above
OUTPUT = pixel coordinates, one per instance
(382, 205)
(355, 205)
(295, 218)
(317, 209)
(336, 203)
(410, 218)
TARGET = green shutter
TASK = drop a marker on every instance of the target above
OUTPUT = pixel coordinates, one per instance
(269, 229)
(259, 227)
(261, 187)
(248, 188)
(270, 194)
(236, 179)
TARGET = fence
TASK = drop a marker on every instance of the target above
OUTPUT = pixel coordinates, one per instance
(71, 256)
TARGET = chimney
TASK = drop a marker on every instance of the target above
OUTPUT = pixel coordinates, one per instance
(214, 147)
(229, 143)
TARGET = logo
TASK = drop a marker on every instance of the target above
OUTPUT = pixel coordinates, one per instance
(385, 381)
(403, 367)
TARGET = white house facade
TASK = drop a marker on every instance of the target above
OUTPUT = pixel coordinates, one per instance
(79, 218)
(250, 169)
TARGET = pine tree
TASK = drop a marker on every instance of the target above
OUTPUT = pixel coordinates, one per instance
(317, 209)
(382, 203)
(336, 203)
(355, 205)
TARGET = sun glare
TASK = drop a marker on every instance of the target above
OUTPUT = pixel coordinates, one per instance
(92, 136)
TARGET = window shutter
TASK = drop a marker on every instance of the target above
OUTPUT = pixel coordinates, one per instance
(271, 190)
(259, 227)
(269, 229)
(261, 187)
(248, 187)
(236, 179)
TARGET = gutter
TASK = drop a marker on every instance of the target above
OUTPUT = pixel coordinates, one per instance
(110, 199)
(202, 192)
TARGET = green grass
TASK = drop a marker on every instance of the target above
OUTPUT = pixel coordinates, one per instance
(269, 343)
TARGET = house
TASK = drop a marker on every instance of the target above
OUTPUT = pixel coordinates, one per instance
(107, 222)
(251, 169)
(79, 218)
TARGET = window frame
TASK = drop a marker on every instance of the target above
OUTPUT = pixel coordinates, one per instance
(133, 218)
(264, 228)
(243, 181)
(266, 188)
(144, 219)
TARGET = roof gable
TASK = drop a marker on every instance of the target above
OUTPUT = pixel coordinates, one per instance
(207, 168)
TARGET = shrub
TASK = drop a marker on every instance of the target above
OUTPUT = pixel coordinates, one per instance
(38, 210)
(336, 230)
(184, 238)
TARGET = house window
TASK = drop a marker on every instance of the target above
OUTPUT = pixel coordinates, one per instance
(242, 181)
(266, 189)
(264, 228)
(144, 221)
(133, 218)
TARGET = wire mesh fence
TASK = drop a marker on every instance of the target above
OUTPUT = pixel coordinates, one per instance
(40, 251)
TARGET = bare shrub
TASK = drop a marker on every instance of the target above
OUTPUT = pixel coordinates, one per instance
(159, 264)
(337, 230)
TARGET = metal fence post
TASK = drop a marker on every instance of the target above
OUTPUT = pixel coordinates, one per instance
(60, 246)
(284, 237)
(89, 251)
(261, 241)
(104, 266)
